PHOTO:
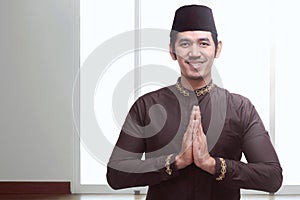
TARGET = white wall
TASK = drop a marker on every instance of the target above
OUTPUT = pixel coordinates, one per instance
(36, 80)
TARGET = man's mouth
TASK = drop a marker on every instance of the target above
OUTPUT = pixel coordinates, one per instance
(195, 65)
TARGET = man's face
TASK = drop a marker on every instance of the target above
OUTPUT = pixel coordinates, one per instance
(195, 51)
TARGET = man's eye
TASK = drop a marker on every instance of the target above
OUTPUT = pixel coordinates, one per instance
(204, 44)
(184, 44)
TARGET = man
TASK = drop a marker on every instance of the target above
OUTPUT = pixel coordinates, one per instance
(193, 133)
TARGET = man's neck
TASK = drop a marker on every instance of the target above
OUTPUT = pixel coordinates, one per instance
(194, 84)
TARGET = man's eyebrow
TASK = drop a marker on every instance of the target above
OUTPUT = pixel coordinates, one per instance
(188, 40)
(204, 39)
(184, 40)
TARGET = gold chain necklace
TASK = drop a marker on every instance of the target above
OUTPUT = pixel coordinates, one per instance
(198, 92)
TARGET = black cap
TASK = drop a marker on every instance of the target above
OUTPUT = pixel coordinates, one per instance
(194, 17)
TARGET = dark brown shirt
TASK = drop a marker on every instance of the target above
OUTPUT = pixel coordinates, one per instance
(155, 126)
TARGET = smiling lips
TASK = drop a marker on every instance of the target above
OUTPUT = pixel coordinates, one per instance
(195, 65)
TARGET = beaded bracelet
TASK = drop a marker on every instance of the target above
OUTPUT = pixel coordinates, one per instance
(223, 170)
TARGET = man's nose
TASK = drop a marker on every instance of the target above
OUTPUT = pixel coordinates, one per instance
(195, 51)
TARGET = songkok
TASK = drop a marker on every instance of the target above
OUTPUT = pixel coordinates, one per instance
(194, 17)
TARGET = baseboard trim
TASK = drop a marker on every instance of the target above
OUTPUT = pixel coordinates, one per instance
(35, 188)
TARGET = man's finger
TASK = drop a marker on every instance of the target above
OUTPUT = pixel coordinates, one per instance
(196, 127)
(197, 113)
(191, 125)
(192, 116)
(198, 118)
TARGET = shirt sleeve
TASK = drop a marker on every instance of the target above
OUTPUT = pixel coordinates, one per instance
(126, 168)
(263, 171)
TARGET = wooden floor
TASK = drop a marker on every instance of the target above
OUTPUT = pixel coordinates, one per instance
(127, 197)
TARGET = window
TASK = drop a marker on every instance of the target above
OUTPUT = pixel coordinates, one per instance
(258, 60)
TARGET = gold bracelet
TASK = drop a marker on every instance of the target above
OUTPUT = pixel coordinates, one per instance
(167, 164)
(223, 170)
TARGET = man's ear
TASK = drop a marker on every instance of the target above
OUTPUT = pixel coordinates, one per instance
(173, 54)
(219, 49)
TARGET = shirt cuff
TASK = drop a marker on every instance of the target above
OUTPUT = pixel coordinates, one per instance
(170, 169)
(220, 169)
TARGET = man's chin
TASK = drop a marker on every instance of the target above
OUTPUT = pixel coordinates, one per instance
(195, 78)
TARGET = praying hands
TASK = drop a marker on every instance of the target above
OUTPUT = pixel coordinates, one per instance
(194, 145)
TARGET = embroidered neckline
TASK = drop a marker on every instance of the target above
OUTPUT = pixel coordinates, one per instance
(199, 92)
